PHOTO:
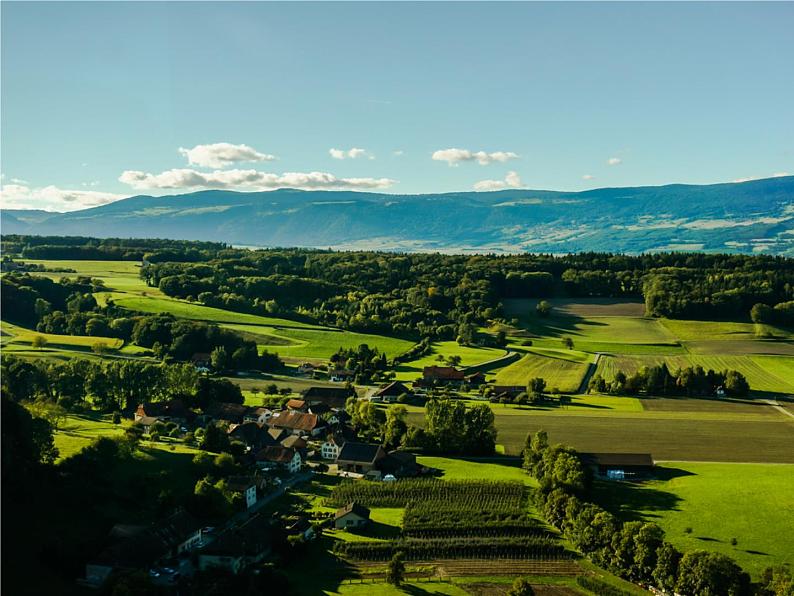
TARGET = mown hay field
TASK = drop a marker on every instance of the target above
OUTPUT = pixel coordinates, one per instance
(565, 374)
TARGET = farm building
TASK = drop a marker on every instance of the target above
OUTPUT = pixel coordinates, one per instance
(298, 423)
(333, 397)
(279, 457)
(359, 457)
(389, 393)
(236, 548)
(352, 515)
(442, 375)
(619, 466)
(244, 486)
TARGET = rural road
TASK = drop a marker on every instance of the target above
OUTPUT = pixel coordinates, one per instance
(777, 406)
(589, 374)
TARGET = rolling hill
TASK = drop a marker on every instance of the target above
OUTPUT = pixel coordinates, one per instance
(754, 216)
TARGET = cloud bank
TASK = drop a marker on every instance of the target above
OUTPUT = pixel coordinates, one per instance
(52, 198)
(219, 155)
(247, 180)
(454, 156)
(512, 180)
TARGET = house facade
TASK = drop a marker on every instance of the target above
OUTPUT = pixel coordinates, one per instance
(352, 515)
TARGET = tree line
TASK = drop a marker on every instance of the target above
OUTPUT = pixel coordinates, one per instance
(110, 386)
(636, 551)
(658, 380)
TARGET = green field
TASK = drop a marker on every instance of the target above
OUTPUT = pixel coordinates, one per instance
(78, 431)
(469, 356)
(563, 370)
(462, 469)
(749, 502)
(721, 330)
(764, 373)
(121, 276)
(17, 341)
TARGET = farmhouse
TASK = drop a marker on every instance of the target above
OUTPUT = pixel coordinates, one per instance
(173, 409)
(359, 457)
(508, 391)
(400, 464)
(619, 466)
(341, 375)
(297, 423)
(299, 526)
(147, 422)
(244, 486)
(297, 405)
(278, 457)
(137, 547)
(352, 515)
(389, 393)
(333, 397)
(260, 415)
(306, 368)
(475, 379)
(237, 548)
(442, 375)
(335, 439)
(295, 442)
(231, 413)
(252, 434)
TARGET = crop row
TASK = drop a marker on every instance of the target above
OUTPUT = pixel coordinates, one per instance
(470, 495)
(509, 547)
(446, 531)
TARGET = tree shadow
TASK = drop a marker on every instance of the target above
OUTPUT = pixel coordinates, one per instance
(637, 501)
(708, 539)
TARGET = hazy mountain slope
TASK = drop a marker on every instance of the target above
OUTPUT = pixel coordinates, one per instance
(750, 216)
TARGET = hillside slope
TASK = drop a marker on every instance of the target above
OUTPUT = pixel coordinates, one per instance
(754, 216)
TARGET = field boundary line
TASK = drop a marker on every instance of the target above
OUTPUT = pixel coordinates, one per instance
(778, 407)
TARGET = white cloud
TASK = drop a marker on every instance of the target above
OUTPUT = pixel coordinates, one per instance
(353, 153)
(52, 198)
(775, 175)
(247, 180)
(218, 155)
(512, 180)
(398, 153)
(614, 161)
(588, 177)
(455, 156)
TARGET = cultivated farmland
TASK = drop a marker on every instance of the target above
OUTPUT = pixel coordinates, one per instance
(561, 370)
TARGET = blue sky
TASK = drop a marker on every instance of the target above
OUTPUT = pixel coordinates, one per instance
(99, 98)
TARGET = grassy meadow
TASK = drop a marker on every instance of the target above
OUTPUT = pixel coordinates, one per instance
(706, 505)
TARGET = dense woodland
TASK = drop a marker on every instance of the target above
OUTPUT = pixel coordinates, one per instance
(427, 295)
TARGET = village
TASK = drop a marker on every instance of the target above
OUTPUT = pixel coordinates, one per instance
(280, 448)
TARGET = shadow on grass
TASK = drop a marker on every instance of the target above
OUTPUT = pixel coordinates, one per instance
(708, 539)
(637, 501)
(757, 552)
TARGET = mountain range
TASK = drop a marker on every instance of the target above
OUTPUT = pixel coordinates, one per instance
(751, 217)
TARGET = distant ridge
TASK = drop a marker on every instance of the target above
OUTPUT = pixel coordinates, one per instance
(750, 217)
